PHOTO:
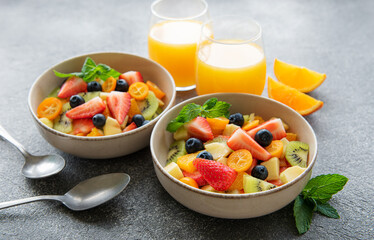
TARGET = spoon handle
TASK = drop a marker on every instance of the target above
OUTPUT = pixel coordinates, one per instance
(13, 203)
(5, 135)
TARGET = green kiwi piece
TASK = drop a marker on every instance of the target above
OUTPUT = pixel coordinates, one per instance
(87, 96)
(297, 153)
(252, 184)
(176, 150)
(62, 123)
(54, 92)
(148, 106)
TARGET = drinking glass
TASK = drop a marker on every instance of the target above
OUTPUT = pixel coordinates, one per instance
(230, 57)
(173, 36)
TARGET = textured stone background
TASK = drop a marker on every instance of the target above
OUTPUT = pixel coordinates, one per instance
(330, 36)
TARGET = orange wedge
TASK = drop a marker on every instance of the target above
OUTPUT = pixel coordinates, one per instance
(301, 78)
(293, 98)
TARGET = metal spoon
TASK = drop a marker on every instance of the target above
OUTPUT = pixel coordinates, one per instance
(35, 166)
(87, 194)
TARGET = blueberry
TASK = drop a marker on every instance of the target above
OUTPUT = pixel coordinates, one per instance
(93, 86)
(122, 85)
(76, 100)
(194, 145)
(99, 120)
(260, 172)
(205, 155)
(145, 122)
(264, 137)
(138, 119)
(237, 119)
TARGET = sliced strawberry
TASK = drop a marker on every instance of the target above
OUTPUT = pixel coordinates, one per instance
(277, 182)
(217, 174)
(119, 105)
(275, 126)
(84, 125)
(281, 169)
(88, 109)
(241, 140)
(254, 163)
(199, 179)
(131, 77)
(199, 128)
(72, 86)
(130, 127)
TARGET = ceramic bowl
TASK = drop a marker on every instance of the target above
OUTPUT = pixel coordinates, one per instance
(105, 146)
(234, 206)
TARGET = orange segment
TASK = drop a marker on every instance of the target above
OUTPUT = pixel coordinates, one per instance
(185, 162)
(49, 108)
(95, 133)
(291, 137)
(240, 160)
(154, 88)
(275, 148)
(134, 109)
(301, 78)
(238, 183)
(293, 98)
(251, 125)
(217, 125)
(189, 181)
(138, 90)
(109, 85)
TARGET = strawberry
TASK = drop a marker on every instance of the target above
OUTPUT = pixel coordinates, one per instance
(88, 109)
(131, 77)
(277, 182)
(72, 86)
(84, 125)
(217, 174)
(130, 127)
(275, 126)
(199, 179)
(241, 140)
(199, 128)
(119, 105)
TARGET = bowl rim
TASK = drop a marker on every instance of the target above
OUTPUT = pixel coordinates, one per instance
(225, 195)
(99, 138)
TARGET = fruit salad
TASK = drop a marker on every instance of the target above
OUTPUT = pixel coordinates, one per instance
(233, 153)
(99, 101)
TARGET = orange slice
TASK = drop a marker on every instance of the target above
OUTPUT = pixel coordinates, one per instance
(240, 160)
(275, 148)
(293, 98)
(138, 90)
(189, 181)
(109, 85)
(301, 78)
(155, 89)
(49, 108)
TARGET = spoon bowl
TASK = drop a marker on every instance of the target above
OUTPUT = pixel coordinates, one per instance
(87, 194)
(35, 166)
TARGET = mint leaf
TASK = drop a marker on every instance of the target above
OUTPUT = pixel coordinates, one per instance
(327, 210)
(104, 72)
(188, 112)
(220, 109)
(210, 103)
(303, 213)
(88, 65)
(323, 187)
(66, 75)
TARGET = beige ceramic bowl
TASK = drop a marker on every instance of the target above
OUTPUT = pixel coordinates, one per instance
(106, 146)
(234, 206)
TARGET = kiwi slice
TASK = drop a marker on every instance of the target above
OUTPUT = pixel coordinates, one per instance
(148, 106)
(252, 184)
(62, 123)
(87, 96)
(176, 150)
(54, 92)
(297, 153)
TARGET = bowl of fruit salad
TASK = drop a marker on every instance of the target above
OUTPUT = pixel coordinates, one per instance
(101, 105)
(233, 155)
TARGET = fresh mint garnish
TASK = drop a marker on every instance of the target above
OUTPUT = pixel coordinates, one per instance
(314, 198)
(211, 109)
(90, 71)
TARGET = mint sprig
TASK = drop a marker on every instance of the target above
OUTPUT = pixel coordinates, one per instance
(314, 198)
(90, 71)
(212, 108)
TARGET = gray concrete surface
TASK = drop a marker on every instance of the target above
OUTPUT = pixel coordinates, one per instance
(330, 36)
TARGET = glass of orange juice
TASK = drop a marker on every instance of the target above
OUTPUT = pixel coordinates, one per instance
(230, 57)
(173, 36)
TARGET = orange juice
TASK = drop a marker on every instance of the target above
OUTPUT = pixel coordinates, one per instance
(173, 45)
(230, 67)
